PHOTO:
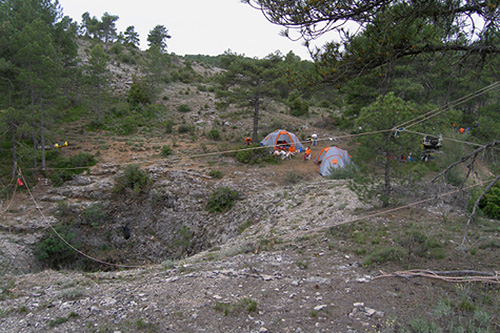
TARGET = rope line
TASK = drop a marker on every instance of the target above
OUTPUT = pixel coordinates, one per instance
(448, 139)
(440, 110)
(12, 198)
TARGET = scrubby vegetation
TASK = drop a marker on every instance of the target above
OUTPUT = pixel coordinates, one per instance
(222, 199)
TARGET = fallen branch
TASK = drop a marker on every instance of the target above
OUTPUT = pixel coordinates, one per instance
(447, 276)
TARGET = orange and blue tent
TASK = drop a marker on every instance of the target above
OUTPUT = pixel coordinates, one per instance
(273, 139)
(330, 158)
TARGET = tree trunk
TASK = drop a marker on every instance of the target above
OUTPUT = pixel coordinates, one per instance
(42, 139)
(33, 137)
(256, 120)
(387, 185)
(98, 102)
(14, 153)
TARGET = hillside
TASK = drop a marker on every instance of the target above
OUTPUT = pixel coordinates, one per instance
(296, 253)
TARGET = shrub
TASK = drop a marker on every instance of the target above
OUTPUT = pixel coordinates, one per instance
(292, 178)
(299, 107)
(169, 126)
(214, 134)
(348, 172)
(58, 178)
(116, 48)
(183, 108)
(249, 304)
(133, 178)
(324, 104)
(166, 151)
(217, 174)
(94, 126)
(68, 167)
(82, 160)
(138, 94)
(254, 156)
(185, 129)
(120, 109)
(128, 126)
(94, 215)
(53, 251)
(222, 200)
(420, 245)
(385, 254)
(490, 203)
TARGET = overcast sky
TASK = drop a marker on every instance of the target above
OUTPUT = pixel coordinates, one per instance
(207, 27)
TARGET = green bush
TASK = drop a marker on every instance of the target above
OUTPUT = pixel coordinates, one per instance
(169, 126)
(348, 172)
(65, 167)
(214, 134)
(53, 251)
(128, 126)
(254, 156)
(324, 104)
(94, 215)
(59, 177)
(81, 160)
(134, 179)
(292, 178)
(299, 107)
(418, 244)
(127, 58)
(166, 151)
(222, 200)
(185, 128)
(138, 94)
(217, 174)
(183, 108)
(385, 254)
(490, 203)
(94, 126)
(117, 48)
(120, 109)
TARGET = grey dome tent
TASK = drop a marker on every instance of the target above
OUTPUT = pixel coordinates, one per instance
(332, 157)
(275, 138)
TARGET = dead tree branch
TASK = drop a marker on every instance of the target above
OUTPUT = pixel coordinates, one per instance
(447, 276)
(472, 156)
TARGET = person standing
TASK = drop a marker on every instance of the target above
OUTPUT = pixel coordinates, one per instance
(314, 137)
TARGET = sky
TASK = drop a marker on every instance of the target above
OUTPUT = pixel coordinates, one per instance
(208, 27)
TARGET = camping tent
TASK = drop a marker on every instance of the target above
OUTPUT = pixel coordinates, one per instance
(332, 157)
(275, 138)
